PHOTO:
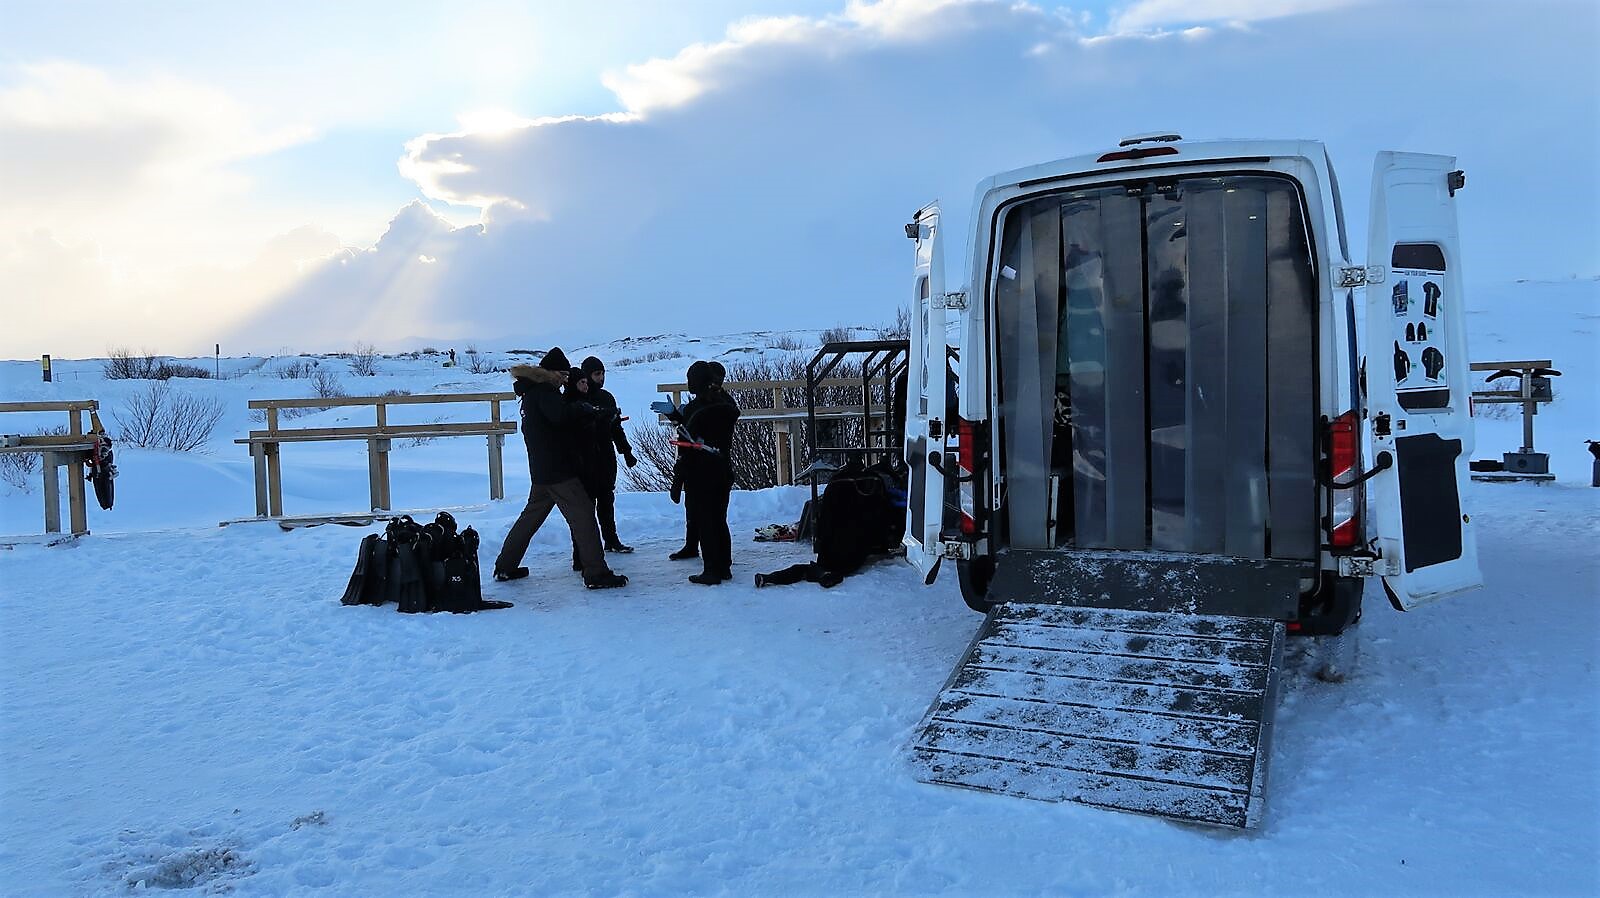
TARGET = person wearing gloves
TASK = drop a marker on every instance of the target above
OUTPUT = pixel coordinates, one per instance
(609, 442)
(706, 435)
(548, 423)
(691, 536)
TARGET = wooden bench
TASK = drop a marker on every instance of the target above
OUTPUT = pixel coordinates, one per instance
(71, 450)
(265, 444)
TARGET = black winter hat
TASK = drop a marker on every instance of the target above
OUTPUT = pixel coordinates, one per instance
(555, 360)
(718, 373)
(700, 377)
(591, 365)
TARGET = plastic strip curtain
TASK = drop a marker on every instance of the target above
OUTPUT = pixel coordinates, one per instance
(1182, 396)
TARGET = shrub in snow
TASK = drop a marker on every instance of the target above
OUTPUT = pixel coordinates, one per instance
(786, 342)
(900, 329)
(479, 363)
(839, 334)
(364, 361)
(296, 370)
(159, 417)
(124, 364)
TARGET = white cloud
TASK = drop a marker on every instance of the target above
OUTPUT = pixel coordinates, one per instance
(760, 181)
(124, 216)
(1144, 15)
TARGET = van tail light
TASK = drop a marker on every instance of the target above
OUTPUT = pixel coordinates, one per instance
(966, 460)
(1343, 458)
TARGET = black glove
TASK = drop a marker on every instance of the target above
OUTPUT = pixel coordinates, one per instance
(628, 457)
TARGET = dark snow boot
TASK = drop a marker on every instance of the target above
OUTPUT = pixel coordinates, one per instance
(607, 580)
(516, 573)
(708, 579)
(618, 547)
(684, 554)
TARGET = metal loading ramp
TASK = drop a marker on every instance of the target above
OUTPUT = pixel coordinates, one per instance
(1164, 714)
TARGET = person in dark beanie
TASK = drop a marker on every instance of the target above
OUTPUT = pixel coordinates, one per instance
(582, 436)
(609, 442)
(707, 423)
(547, 425)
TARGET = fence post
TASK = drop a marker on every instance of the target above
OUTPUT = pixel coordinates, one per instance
(52, 492)
(780, 448)
(378, 473)
(497, 472)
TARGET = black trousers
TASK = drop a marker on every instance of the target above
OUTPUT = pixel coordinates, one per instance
(707, 509)
(809, 572)
(605, 510)
(691, 536)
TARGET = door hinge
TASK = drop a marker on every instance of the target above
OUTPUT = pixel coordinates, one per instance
(960, 550)
(951, 301)
(1358, 276)
(1357, 566)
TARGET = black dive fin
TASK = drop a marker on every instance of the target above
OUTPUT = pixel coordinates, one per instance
(410, 592)
(355, 592)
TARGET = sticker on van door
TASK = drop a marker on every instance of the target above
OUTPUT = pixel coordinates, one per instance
(1419, 352)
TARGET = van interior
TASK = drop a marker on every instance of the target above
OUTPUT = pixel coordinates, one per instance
(1157, 368)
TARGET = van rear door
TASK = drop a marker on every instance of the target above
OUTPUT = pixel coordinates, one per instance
(1417, 381)
(925, 400)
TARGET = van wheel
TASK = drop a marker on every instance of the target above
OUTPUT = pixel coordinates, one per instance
(975, 577)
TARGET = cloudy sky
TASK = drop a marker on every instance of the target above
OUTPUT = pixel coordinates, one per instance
(304, 175)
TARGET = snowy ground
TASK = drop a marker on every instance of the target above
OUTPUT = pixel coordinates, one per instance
(190, 705)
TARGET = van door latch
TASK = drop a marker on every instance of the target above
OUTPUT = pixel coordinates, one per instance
(951, 301)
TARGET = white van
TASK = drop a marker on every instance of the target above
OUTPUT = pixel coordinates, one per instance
(1161, 395)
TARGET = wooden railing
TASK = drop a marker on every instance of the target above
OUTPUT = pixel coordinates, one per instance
(264, 444)
(70, 450)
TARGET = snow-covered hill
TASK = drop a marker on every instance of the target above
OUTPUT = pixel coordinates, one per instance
(187, 705)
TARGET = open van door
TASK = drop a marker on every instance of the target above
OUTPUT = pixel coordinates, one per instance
(925, 397)
(1417, 381)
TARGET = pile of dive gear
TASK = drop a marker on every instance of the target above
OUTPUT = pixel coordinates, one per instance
(421, 568)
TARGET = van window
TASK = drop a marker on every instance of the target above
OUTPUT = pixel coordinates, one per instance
(1158, 365)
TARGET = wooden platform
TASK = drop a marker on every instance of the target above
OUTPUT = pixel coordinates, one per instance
(1163, 714)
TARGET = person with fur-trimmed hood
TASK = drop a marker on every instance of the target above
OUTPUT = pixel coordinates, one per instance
(548, 423)
(609, 442)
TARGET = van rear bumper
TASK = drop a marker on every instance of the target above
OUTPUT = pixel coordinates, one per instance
(1179, 582)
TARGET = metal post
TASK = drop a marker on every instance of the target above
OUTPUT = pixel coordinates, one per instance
(1529, 409)
(219, 360)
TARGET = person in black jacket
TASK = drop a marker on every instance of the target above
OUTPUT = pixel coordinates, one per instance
(691, 535)
(862, 514)
(548, 423)
(608, 443)
(707, 423)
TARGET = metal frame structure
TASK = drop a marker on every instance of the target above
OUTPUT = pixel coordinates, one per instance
(885, 359)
